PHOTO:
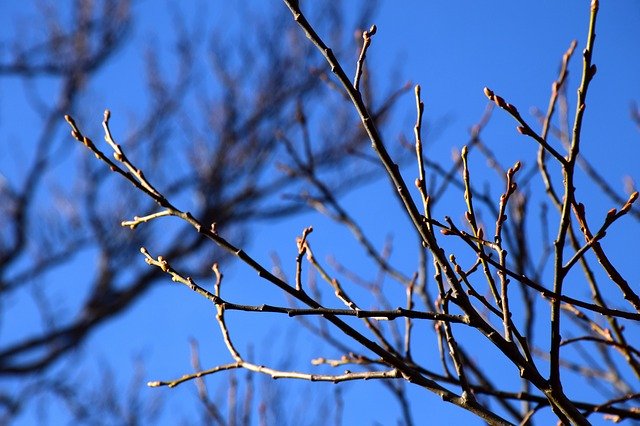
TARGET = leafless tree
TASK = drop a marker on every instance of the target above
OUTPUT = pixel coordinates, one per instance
(480, 286)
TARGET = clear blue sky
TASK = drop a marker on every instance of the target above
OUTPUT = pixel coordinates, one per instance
(452, 49)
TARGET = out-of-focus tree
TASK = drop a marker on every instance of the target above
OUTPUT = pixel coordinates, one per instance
(219, 111)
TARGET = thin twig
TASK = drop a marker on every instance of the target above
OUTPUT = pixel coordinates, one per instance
(366, 42)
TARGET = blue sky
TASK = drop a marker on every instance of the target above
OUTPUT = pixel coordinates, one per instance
(452, 49)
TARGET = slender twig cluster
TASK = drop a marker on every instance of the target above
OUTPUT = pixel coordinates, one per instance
(478, 296)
